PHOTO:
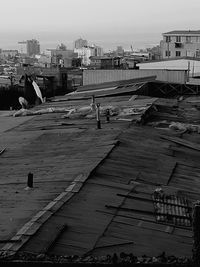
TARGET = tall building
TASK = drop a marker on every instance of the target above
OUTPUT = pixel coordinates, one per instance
(33, 47)
(177, 44)
(80, 43)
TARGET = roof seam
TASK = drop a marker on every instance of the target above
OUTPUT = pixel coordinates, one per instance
(33, 225)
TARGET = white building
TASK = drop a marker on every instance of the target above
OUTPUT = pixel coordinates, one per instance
(85, 53)
(88, 51)
(176, 44)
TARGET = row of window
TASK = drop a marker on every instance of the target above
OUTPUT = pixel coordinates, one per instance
(168, 53)
(179, 39)
(178, 53)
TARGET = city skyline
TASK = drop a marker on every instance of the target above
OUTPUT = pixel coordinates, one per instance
(106, 23)
(108, 45)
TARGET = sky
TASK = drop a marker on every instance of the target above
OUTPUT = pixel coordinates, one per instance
(107, 23)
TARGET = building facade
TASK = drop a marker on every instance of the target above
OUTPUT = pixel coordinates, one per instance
(104, 62)
(33, 47)
(154, 52)
(9, 53)
(85, 53)
(63, 58)
(180, 44)
(44, 60)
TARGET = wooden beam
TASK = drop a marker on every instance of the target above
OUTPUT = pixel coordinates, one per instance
(147, 212)
(152, 201)
(182, 142)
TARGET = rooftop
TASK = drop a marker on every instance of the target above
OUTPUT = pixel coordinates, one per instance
(183, 32)
(170, 59)
(98, 191)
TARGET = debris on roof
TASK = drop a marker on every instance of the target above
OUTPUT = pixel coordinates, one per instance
(171, 209)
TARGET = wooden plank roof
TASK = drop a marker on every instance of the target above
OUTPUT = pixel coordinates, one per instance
(90, 185)
(133, 171)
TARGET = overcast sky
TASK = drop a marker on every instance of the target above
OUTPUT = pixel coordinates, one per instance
(105, 22)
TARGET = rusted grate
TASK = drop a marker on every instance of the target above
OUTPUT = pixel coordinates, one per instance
(171, 209)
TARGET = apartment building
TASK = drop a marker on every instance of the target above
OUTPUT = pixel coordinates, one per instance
(180, 44)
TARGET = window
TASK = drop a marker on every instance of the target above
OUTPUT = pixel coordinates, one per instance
(188, 39)
(178, 39)
(167, 53)
(198, 53)
(178, 53)
(168, 39)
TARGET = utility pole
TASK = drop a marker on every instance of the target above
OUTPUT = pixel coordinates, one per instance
(196, 232)
(168, 48)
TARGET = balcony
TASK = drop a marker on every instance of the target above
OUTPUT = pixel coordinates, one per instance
(178, 45)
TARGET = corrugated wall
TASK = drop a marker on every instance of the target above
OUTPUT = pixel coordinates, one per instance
(101, 76)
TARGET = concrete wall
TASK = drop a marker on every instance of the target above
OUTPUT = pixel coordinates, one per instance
(101, 76)
(173, 64)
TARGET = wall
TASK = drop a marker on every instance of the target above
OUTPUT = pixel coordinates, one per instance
(101, 76)
(176, 64)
